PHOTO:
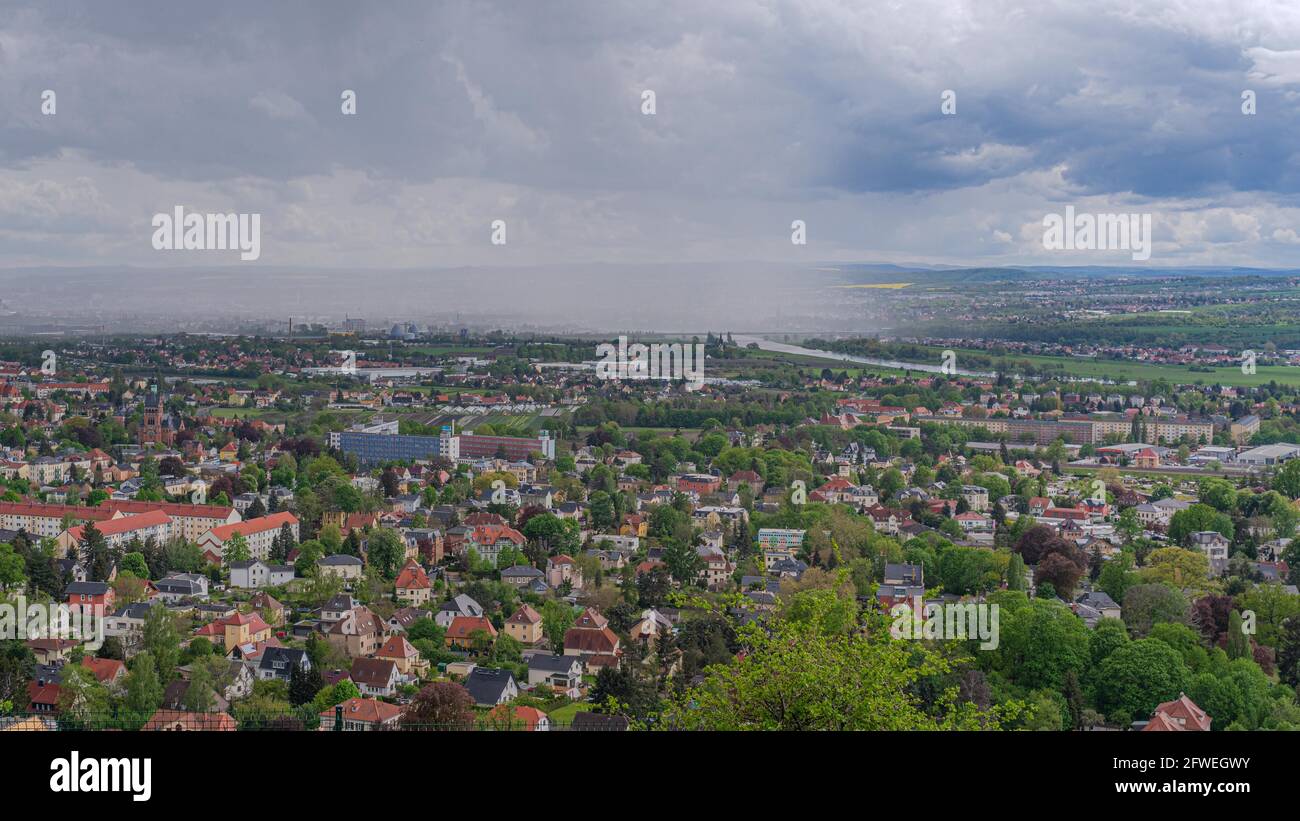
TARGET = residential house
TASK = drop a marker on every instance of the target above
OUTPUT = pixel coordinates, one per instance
(464, 631)
(255, 573)
(1180, 715)
(401, 652)
(525, 626)
(413, 587)
(375, 676)
(279, 663)
(489, 688)
(563, 674)
(357, 714)
(346, 567)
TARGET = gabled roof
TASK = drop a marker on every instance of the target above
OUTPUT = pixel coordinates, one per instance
(552, 663)
(462, 626)
(368, 710)
(590, 619)
(397, 647)
(165, 719)
(1184, 712)
(589, 640)
(487, 686)
(524, 615)
(287, 655)
(412, 577)
(105, 670)
(374, 672)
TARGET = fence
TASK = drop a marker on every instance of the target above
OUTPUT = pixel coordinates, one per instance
(296, 721)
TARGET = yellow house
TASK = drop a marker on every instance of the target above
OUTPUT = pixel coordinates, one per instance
(525, 626)
(408, 660)
(241, 628)
(634, 524)
(333, 517)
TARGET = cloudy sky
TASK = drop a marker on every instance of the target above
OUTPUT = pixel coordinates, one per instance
(768, 111)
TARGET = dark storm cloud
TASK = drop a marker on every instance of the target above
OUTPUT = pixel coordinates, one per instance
(823, 110)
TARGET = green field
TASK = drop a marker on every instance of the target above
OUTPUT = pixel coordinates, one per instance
(448, 350)
(241, 413)
(1113, 370)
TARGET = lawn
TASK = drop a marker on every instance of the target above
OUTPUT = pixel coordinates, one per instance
(565, 714)
(241, 413)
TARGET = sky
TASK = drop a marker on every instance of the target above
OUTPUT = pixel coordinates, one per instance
(825, 111)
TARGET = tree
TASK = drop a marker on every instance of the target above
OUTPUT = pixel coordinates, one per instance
(200, 695)
(283, 544)
(1116, 576)
(309, 553)
(161, 641)
(385, 551)
(1288, 652)
(1148, 604)
(1034, 542)
(1016, 573)
(1287, 479)
(12, 568)
(1040, 642)
(1129, 527)
(602, 510)
(1238, 642)
(235, 550)
(304, 684)
(256, 510)
(1061, 573)
(1198, 518)
(426, 628)
(83, 701)
(796, 676)
(1218, 494)
(1108, 636)
(96, 554)
(653, 586)
(330, 539)
(144, 692)
(557, 618)
(682, 561)
(442, 705)
(1184, 569)
(1139, 676)
(135, 563)
(549, 531)
(16, 665)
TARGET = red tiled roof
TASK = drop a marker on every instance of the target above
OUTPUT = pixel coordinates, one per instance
(133, 506)
(587, 640)
(105, 670)
(369, 710)
(524, 615)
(462, 626)
(165, 719)
(272, 522)
(97, 514)
(397, 647)
(412, 577)
(126, 524)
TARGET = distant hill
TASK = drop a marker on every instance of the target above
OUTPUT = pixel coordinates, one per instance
(873, 273)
